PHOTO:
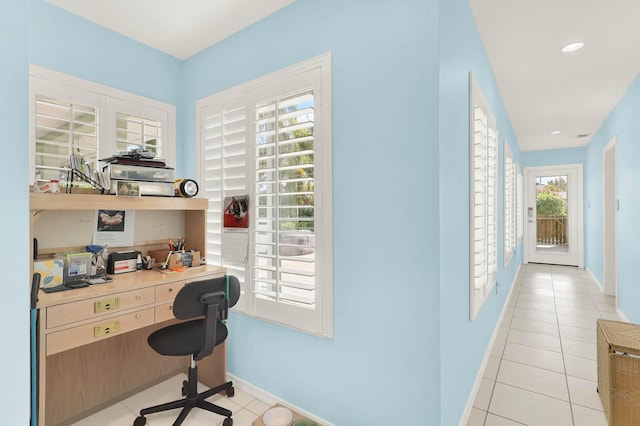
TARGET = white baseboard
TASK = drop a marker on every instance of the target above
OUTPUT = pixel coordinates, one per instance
(271, 399)
(593, 277)
(487, 355)
(618, 310)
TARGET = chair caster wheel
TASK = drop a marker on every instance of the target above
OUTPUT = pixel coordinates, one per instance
(140, 421)
(228, 422)
(230, 393)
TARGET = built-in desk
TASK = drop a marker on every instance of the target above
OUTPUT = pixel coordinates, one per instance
(92, 341)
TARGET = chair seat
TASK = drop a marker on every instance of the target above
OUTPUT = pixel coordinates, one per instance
(185, 338)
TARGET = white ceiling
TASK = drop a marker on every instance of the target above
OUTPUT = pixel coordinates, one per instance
(180, 28)
(545, 90)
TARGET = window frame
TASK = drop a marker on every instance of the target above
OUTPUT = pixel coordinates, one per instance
(488, 230)
(108, 100)
(316, 73)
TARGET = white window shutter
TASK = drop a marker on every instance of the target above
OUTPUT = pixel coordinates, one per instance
(223, 171)
(484, 195)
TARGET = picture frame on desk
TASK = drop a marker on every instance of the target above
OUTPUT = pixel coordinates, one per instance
(128, 188)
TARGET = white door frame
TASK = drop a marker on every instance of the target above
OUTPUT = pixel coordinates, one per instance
(530, 208)
(610, 216)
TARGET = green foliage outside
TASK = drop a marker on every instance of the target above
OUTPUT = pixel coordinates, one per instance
(550, 204)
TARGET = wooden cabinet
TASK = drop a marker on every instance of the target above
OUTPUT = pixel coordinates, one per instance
(92, 341)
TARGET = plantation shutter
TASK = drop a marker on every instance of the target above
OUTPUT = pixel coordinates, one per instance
(63, 127)
(285, 267)
(483, 193)
(144, 132)
(508, 204)
(519, 204)
(224, 172)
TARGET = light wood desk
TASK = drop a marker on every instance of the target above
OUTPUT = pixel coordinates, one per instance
(92, 341)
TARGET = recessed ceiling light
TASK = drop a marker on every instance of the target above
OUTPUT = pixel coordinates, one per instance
(555, 132)
(572, 47)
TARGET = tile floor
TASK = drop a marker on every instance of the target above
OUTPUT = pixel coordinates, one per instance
(245, 408)
(543, 365)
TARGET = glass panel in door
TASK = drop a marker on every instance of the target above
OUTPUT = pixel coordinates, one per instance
(552, 219)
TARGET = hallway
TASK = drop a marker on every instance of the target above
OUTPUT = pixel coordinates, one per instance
(543, 365)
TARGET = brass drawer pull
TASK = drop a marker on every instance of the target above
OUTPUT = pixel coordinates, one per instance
(106, 305)
(106, 328)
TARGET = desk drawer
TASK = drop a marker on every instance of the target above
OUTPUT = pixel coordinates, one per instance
(99, 330)
(98, 306)
(167, 292)
(164, 312)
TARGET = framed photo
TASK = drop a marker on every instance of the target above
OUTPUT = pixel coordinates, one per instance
(128, 188)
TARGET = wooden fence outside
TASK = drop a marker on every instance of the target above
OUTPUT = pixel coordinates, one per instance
(552, 230)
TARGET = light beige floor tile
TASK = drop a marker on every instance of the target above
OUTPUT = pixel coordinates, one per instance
(611, 316)
(537, 340)
(533, 379)
(586, 323)
(493, 420)
(541, 327)
(583, 416)
(606, 307)
(527, 296)
(258, 407)
(115, 415)
(585, 303)
(583, 392)
(484, 394)
(578, 312)
(581, 367)
(476, 418)
(536, 305)
(498, 347)
(579, 349)
(549, 317)
(541, 285)
(491, 370)
(243, 417)
(535, 357)
(528, 407)
(575, 333)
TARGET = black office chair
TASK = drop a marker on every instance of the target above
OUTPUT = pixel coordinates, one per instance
(196, 338)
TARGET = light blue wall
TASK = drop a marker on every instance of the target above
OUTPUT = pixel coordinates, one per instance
(554, 157)
(14, 315)
(385, 87)
(464, 343)
(623, 122)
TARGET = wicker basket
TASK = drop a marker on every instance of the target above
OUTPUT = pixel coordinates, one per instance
(619, 371)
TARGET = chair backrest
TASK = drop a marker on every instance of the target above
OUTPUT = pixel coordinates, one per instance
(211, 298)
(189, 304)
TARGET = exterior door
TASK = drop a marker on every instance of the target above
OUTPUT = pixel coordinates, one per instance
(553, 215)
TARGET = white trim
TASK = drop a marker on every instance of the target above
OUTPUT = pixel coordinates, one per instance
(612, 145)
(593, 277)
(621, 314)
(269, 398)
(485, 361)
(313, 73)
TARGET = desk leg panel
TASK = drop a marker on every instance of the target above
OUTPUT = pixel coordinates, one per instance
(83, 378)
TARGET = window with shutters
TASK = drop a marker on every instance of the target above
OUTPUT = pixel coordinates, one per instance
(509, 204)
(270, 139)
(62, 128)
(71, 115)
(519, 205)
(483, 202)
